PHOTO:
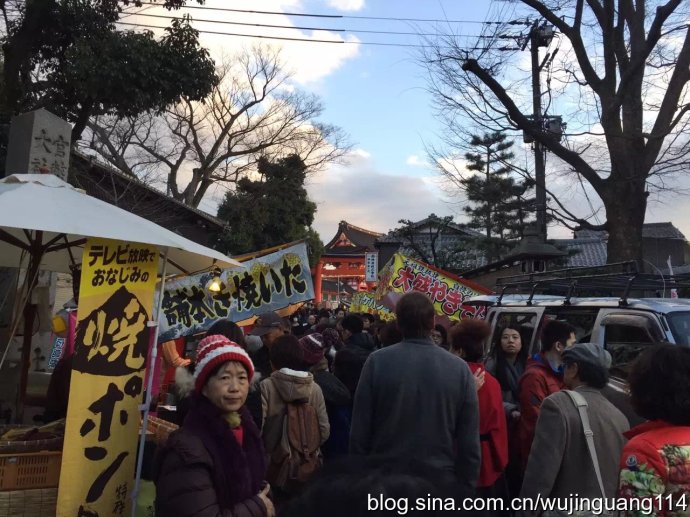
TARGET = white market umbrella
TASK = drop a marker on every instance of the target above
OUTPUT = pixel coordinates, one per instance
(48, 220)
(32, 203)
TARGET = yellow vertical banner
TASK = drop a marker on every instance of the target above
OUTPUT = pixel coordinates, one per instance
(115, 304)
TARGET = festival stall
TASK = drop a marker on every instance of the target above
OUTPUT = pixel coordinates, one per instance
(276, 279)
(46, 224)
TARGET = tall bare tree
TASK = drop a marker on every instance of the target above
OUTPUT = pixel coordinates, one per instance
(253, 113)
(620, 70)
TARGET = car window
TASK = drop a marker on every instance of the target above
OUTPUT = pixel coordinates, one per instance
(525, 322)
(625, 343)
(582, 319)
(680, 326)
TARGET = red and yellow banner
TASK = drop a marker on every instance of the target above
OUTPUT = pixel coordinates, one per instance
(447, 292)
(116, 300)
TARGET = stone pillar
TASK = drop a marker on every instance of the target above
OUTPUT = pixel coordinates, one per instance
(39, 144)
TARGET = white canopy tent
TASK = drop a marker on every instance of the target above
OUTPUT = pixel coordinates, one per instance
(44, 224)
(31, 203)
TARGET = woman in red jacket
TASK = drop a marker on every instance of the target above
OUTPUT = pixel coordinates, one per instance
(467, 341)
(655, 463)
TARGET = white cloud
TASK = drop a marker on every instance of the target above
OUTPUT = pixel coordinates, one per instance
(347, 5)
(367, 197)
(359, 153)
(309, 61)
(312, 62)
(415, 161)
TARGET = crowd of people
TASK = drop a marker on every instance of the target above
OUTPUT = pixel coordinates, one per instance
(332, 410)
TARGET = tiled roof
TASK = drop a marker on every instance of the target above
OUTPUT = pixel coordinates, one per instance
(649, 231)
(585, 252)
(661, 231)
(99, 166)
(462, 261)
(454, 236)
(360, 240)
(390, 237)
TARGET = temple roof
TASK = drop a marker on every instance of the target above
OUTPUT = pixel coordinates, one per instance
(351, 240)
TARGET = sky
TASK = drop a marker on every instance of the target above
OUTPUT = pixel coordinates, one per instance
(377, 94)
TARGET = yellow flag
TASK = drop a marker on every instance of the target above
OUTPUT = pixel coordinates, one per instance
(115, 305)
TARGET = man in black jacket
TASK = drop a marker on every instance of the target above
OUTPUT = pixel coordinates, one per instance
(350, 360)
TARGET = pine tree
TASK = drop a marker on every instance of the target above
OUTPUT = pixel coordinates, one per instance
(269, 211)
(499, 208)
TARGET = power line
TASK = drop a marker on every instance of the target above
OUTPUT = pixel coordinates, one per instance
(297, 27)
(241, 35)
(306, 40)
(341, 16)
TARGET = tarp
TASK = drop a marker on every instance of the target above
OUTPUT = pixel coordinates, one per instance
(403, 274)
(270, 282)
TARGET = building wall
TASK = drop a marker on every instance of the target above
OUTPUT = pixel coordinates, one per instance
(657, 251)
(489, 278)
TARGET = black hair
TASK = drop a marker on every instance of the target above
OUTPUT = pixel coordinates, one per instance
(390, 334)
(353, 323)
(368, 316)
(469, 336)
(415, 315)
(444, 334)
(286, 352)
(592, 375)
(659, 387)
(349, 487)
(555, 331)
(229, 329)
(502, 360)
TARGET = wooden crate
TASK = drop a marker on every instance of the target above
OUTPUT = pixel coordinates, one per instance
(41, 502)
(31, 470)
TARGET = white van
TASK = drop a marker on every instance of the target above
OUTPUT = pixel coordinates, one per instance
(624, 327)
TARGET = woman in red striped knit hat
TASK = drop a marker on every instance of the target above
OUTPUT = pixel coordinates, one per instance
(214, 464)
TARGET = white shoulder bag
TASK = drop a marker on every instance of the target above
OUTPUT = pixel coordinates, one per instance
(581, 405)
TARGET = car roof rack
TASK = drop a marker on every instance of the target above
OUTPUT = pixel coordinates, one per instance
(612, 280)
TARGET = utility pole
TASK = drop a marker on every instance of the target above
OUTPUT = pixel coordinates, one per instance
(539, 158)
(539, 36)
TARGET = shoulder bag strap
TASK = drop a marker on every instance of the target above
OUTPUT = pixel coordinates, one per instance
(581, 405)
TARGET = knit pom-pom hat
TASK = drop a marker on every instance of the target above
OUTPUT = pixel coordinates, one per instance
(215, 350)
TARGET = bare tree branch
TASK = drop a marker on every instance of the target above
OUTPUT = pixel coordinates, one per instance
(253, 112)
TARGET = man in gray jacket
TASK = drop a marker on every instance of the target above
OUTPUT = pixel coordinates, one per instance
(559, 462)
(415, 400)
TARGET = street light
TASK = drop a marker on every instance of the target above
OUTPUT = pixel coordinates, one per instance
(214, 284)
